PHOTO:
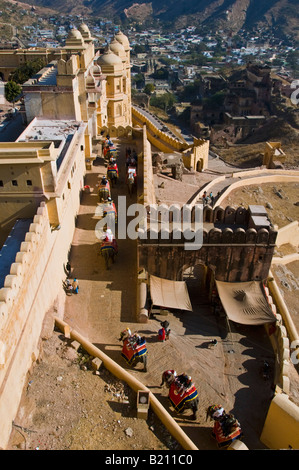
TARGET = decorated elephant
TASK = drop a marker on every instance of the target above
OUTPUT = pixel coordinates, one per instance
(182, 392)
(226, 427)
(109, 251)
(131, 179)
(104, 190)
(112, 172)
(110, 212)
(134, 348)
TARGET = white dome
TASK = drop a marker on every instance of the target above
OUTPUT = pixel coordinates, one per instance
(116, 46)
(74, 34)
(122, 38)
(109, 58)
(84, 30)
(96, 70)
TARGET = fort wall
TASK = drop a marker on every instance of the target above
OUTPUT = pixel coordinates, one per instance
(157, 137)
(29, 291)
(281, 427)
(197, 158)
(194, 156)
(289, 234)
(148, 177)
(234, 252)
(282, 423)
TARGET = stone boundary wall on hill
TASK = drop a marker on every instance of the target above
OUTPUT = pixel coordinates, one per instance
(158, 138)
(289, 234)
(247, 178)
(194, 156)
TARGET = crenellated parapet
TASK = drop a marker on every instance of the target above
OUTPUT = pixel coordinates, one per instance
(157, 137)
(227, 226)
(21, 268)
(214, 236)
(235, 246)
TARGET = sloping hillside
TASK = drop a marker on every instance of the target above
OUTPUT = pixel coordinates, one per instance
(230, 15)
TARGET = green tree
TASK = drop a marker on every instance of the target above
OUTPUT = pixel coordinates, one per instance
(26, 71)
(165, 101)
(139, 49)
(139, 80)
(161, 74)
(12, 90)
(149, 88)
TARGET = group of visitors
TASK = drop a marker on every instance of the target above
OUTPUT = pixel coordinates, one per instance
(72, 287)
(208, 198)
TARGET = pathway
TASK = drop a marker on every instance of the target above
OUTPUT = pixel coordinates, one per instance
(228, 373)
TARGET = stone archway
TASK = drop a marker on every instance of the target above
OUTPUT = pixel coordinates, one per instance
(200, 281)
(199, 165)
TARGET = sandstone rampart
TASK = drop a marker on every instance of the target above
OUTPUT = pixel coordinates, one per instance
(32, 287)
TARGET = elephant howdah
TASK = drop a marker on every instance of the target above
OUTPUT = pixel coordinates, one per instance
(112, 173)
(130, 354)
(131, 179)
(180, 402)
(104, 190)
(134, 348)
(182, 392)
(110, 211)
(226, 427)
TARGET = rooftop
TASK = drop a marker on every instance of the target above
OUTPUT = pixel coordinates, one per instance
(49, 129)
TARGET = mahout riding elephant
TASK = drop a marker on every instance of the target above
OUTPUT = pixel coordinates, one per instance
(134, 348)
(131, 179)
(109, 251)
(110, 212)
(112, 173)
(226, 427)
(182, 392)
(104, 190)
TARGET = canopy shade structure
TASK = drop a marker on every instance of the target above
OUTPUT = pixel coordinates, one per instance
(245, 302)
(169, 294)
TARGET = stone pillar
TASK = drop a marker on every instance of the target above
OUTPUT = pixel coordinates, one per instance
(142, 311)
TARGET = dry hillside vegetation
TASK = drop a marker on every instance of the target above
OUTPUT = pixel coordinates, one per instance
(281, 200)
